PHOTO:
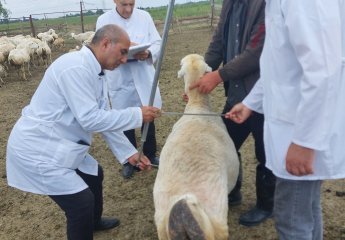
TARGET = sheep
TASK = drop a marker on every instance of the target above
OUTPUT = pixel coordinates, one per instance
(198, 168)
(58, 43)
(18, 58)
(81, 37)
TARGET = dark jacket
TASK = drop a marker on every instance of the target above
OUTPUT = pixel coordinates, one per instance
(246, 65)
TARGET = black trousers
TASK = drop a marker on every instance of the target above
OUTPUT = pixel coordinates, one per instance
(83, 209)
(150, 145)
(265, 180)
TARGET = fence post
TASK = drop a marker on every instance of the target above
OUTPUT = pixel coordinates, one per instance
(81, 16)
(32, 27)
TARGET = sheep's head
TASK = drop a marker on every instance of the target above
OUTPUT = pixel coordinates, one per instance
(193, 67)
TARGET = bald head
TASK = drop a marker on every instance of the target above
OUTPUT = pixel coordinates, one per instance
(112, 32)
(110, 45)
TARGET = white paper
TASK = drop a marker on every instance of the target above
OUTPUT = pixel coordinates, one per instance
(137, 48)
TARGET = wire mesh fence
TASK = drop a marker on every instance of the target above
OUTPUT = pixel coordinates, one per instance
(186, 15)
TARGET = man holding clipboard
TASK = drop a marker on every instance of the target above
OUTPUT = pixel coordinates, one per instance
(130, 85)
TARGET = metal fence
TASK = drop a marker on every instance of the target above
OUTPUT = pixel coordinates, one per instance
(85, 20)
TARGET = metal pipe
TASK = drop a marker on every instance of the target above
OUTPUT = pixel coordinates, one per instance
(158, 69)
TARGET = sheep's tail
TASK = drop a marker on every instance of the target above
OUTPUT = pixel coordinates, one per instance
(188, 220)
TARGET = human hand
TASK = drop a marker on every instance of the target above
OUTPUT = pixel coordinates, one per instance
(143, 164)
(150, 113)
(143, 55)
(207, 82)
(239, 113)
(299, 160)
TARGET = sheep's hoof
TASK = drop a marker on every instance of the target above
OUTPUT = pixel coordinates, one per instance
(182, 223)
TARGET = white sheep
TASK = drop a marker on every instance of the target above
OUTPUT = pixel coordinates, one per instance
(18, 58)
(198, 168)
(81, 37)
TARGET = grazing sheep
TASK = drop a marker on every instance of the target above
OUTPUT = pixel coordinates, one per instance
(81, 37)
(198, 168)
(18, 58)
(59, 43)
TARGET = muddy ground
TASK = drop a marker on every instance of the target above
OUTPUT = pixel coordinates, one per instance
(29, 216)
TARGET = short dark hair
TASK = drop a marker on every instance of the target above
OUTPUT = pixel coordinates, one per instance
(111, 31)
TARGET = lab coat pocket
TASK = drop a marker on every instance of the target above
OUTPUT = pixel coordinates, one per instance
(70, 154)
(286, 101)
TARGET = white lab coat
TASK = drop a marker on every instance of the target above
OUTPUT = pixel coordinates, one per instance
(302, 86)
(67, 107)
(130, 84)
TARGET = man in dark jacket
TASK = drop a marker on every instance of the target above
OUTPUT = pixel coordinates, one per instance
(237, 43)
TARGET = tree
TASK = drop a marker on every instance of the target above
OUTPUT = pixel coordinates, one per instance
(3, 11)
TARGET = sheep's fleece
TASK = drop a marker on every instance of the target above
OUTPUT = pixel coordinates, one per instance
(198, 168)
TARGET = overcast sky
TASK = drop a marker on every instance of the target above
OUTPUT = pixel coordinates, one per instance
(20, 8)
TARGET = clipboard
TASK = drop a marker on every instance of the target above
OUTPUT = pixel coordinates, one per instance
(137, 48)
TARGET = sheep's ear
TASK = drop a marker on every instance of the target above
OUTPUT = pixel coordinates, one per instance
(208, 68)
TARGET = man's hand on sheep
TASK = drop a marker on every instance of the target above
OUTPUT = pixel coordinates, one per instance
(150, 113)
(143, 164)
(207, 82)
(239, 113)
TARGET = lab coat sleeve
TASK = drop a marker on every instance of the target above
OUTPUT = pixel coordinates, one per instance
(78, 88)
(254, 99)
(315, 33)
(120, 146)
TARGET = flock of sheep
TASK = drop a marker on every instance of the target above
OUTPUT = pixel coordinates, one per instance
(23, 52)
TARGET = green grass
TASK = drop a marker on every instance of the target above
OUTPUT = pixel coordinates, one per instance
(180, 11)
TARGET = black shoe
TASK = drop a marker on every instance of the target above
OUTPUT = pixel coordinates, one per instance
(127, 170)
(154, 161)
(254, 217)
(235, 198)
(106, 223)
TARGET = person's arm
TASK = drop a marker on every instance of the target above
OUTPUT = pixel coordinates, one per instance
(120, 146)
(124, 151)
(315, 33)
(79, 90)
(248, 60)
(214, 54)
(253, 102)
(245, 63)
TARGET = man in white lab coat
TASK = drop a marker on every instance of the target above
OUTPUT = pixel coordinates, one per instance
(302, 94)
(130, 85)
(47, 151)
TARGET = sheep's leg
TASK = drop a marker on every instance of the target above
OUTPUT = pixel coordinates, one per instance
(22, 68)
(29, 69)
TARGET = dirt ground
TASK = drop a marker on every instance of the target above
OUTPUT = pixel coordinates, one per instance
(28, 216)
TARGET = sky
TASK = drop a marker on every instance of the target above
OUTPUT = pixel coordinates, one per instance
(20, 8)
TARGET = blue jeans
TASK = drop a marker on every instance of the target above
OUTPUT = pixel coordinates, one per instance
(297, 209)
